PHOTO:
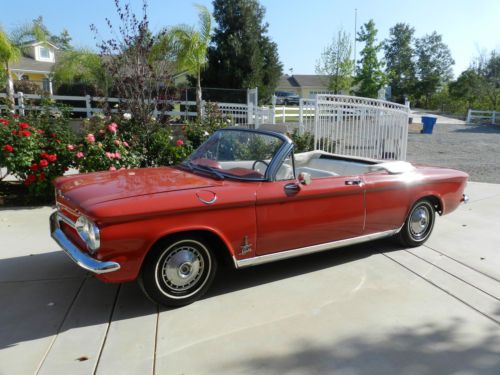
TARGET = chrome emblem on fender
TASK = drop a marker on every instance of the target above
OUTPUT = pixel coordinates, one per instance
(246, 247)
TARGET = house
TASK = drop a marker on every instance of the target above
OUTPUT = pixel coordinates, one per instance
(36, 64)
(304, 85)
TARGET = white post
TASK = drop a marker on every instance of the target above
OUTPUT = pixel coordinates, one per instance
(51, 89)
(283, 113)
(250, 113)
(20, 103)
(88, 106)
(301, 116)
(469, 115)
(493, 117)
(273, 109)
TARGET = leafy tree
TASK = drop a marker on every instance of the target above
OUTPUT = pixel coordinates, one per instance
(400, 67)
(491, 76)
(336, 63)
(467, 87)
(190, 48)
(81, 65)
(369, 75)
(434, 63)
(62, 41)
(140, 75)
(241, 54)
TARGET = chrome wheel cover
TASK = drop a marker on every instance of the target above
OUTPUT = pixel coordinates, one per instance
(183, 269)
(420, 222)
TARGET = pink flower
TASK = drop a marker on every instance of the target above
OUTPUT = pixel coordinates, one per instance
(79, 155)
(90, 138)
(70, 147)
(109, 155)
(112, 168)
(179, 142)
(118, 155)
(112, 127)
(117, 142)
(125, 144)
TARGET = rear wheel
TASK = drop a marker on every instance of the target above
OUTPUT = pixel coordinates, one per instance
(178, 271)
(418, 225)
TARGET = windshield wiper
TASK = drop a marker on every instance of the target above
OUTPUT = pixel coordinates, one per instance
(203, 168)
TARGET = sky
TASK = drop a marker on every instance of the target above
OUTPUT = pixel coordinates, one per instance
(301, 29)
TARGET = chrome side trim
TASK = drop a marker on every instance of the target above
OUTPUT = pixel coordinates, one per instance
(311, 249)
(76, 255)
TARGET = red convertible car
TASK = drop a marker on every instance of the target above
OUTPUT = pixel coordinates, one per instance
(244, 197)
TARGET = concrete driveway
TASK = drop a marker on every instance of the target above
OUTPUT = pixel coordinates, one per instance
(369, 309)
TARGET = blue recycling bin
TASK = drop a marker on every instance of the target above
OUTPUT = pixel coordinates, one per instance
(428, 123)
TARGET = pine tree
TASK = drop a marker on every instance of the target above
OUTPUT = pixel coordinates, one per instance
(400, 66)
(242, 55)
(369, 75)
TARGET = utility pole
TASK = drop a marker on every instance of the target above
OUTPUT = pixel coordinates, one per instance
(355, 29)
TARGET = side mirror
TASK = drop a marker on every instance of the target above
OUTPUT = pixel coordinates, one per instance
(304, 178)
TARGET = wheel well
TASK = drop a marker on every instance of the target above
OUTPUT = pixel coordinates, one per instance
(221, 251)
(436, 202)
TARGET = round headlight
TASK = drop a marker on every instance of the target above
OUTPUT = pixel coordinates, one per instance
(89, 233)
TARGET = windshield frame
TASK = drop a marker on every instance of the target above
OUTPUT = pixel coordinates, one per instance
(274, 164)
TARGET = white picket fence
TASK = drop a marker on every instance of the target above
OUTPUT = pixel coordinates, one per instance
(346, 125)
(488, 117)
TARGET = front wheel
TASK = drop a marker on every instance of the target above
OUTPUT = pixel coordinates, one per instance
(418, 225)
(178, 271)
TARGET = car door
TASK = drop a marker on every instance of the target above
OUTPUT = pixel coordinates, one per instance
(291, 215)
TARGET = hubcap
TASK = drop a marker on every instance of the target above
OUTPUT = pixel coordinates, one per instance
(419, 221)
(182, 268)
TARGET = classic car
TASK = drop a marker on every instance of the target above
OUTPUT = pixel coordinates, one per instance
(243, 198)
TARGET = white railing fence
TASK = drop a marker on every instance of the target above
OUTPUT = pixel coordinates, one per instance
(346, 125)
(355, 126)
(482, 117)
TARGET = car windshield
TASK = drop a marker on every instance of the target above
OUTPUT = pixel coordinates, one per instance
(235, 153)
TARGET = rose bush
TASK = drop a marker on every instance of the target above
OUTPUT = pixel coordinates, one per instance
(104, 149)
(33, 154)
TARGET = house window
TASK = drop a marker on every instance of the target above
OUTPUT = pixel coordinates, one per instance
(25, 77)
(44, 53)
(46, 85)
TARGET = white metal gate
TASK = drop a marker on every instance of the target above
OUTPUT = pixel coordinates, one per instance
(355, 126)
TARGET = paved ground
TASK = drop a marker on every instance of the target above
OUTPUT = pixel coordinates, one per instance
(369, 309)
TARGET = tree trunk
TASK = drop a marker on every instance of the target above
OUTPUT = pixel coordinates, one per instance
(198, 95)
(10, 88)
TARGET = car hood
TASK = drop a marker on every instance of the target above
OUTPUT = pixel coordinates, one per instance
(85, 190)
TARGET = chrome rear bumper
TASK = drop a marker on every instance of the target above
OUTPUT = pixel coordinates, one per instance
(465, 198)
(82, 259)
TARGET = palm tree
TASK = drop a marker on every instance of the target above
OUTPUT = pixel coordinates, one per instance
(190, 48)
(11, 47)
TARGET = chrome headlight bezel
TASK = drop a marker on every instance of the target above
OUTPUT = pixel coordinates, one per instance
(89, 233)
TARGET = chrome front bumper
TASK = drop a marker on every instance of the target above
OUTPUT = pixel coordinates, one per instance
(82, 259)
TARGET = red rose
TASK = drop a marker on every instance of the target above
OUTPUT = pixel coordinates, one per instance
(43, 163)
(24, 125)
(34, 167)
(15, 115)
(42, 176)
(40, 131)
(25, 133)
(179, 142)
(14, 132)
(53, 135)
(44, 155)
(52, 158)
(4, 121)
(8, 148)
(29, 180)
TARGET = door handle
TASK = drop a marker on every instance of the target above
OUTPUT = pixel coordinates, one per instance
(292, 188)
(357, 182)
